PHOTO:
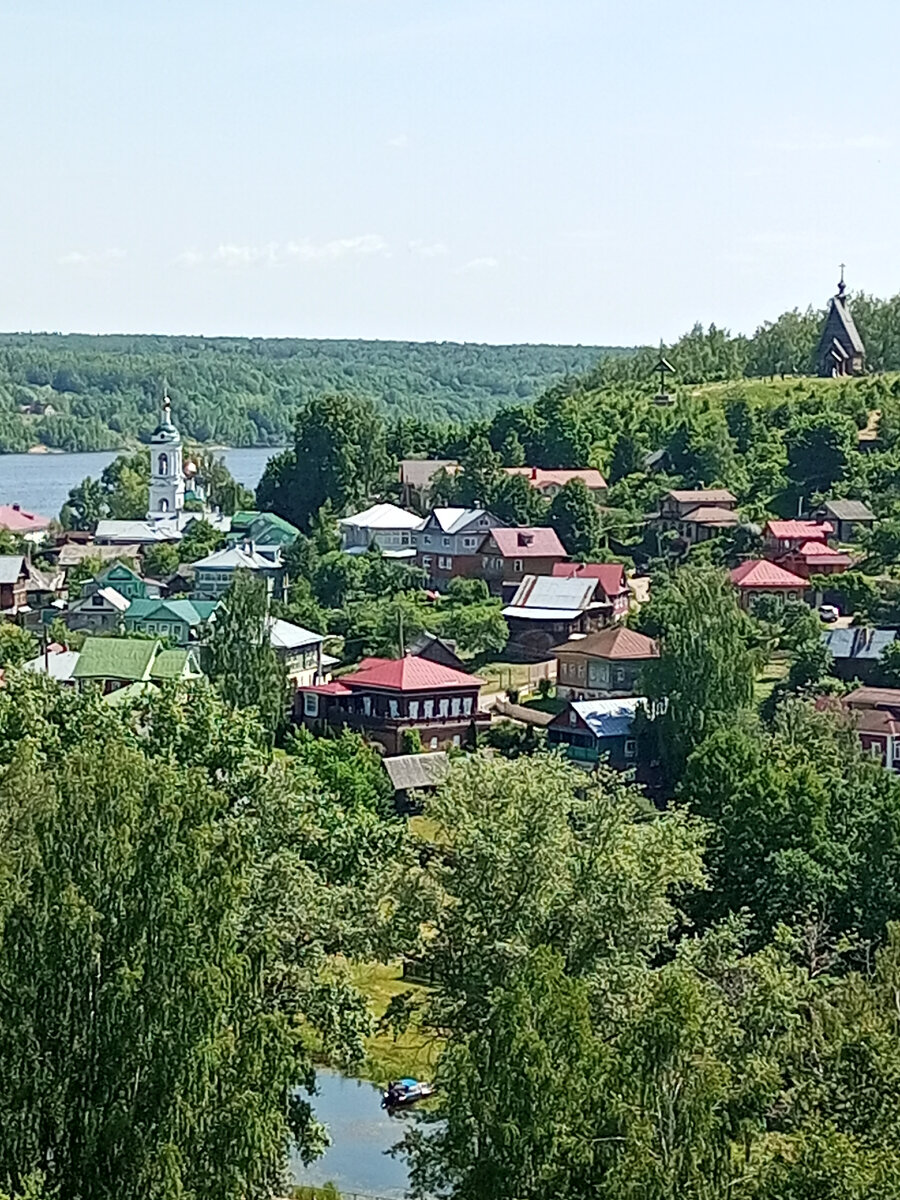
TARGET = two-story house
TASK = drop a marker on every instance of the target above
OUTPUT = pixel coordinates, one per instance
(549, 482)
(300, 650)
(546, 611)
(591, 730)
(125, 580)
(180, 621)
(13, 583)
(603, 664)
(612, 584)
(698, 514)
(508, 555)
(449, 541)
(385, 697)
(390, 528)
(100, 611)
(214, 573)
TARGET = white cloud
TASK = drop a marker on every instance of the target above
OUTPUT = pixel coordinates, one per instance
(77, 258)
(232, 255)
(486, 263)
(428, 249)
(189, 258)
(366, 243)
(399, 142)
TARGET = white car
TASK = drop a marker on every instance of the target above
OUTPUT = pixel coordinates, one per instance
(828, 613)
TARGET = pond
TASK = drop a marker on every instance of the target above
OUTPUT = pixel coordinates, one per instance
(361, 1134)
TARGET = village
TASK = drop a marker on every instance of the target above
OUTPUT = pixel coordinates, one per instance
(570, 668)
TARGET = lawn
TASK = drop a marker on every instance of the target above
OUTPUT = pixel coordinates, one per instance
(773, 672)
(412, 1052)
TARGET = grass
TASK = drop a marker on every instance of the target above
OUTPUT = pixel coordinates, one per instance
(413, 1052)
(773, 672)
(501, 676)
(546, 704)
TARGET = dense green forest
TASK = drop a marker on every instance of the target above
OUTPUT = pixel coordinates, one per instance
(79, 392)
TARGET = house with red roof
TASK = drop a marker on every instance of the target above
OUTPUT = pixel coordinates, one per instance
(508, 555)
(815, 558)
(875, 715)
(384, 697)
(32, 526)
(549, 482)
(611, 582)
(781, 537)
(759, 577)
(603, 664)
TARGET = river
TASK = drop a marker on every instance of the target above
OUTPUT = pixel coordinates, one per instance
(41, 482)
(361, 1134)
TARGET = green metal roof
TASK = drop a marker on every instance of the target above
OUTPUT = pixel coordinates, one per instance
(115, 658)
(174, 664)
(265, 528)
(194, 612)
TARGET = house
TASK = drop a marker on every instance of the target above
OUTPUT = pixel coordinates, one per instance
(300, 650)
(849, 518)
(857, 653)
(386, 697)
(115, 662)
(875, 715)
(546, 611)
(101, 611)
(417, 476)
(697, 515)
(262, 528)
(815, 558)
(126, 581)
(386, 526)
(840, 350)
(602, 664)
(178, 620)
(214, 573)
(781, 537)
(415, 773)
(759, 577)
(612, 584)
(71, 554)
(448, 543)
(549, 482)
(43, 590)
(28, 525)
(436, 649)
(13, 584)
(507, 555)
(591, 730)
(57, 663)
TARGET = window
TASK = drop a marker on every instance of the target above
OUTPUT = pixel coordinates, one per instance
(429, 709)
(483, 522)
(426, 539)
(445, 708)
(445, 541)
(454, 706)
(394, 708)
(163, 505)
(414, 710)
(310, 704)
(445, 562)
(367, 705)
(163, 464)
(620, 674)
(433, 744)
(896, 750)
(630, 747)
(404, 538)
(97, 600)
(456, 739)
(467, 706)
(517, 564)
(573, 718)
(426, 560)
(469, 543)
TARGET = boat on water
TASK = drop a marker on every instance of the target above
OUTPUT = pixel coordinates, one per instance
(403, 1092)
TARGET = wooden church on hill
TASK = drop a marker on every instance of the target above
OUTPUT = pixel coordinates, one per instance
(841, 350)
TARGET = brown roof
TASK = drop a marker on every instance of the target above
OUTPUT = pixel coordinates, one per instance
(617, 642)
(710, 514)
(528, 542)
(703, 496)
(873, 697)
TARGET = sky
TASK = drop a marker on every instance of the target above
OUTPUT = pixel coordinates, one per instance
(570, 171)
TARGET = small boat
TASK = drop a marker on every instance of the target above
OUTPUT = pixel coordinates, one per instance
(403, 1092)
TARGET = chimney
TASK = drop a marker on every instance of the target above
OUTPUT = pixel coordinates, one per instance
(16, 508)
(534, 472)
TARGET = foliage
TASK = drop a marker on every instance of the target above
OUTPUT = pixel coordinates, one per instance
(200, 538)
(160, 559)
(243, 664)
(17, 645)
(575, 517)
(704, 675)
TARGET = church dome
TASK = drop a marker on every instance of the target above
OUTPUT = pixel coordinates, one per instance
(165, 432)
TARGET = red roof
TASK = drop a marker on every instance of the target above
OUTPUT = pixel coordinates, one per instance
(17, 520)
(760, 573)
(610, 575)
(795, 531)
(409, 674)
(821, 552)
(334, 688)
(540, 478)
(528, 542)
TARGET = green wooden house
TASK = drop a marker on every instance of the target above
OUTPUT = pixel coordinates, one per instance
(178, 620)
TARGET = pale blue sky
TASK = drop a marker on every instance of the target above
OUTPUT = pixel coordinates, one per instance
(479, 170)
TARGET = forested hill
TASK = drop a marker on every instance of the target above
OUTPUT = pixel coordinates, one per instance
(83, 392)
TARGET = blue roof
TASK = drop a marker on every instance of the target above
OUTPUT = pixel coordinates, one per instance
(859, 643)
(608, 718)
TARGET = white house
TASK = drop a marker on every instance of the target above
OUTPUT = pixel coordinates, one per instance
(386, 526)
(213, 574)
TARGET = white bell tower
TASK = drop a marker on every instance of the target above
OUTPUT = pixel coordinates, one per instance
(166, 467)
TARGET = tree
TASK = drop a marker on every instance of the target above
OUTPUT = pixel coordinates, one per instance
(17, 645)
(704, 675)
(85, 506)
(200, 538)
(818, 449)
(476, 628)
(243, 664)
(160, 559)
(576, 519)
(339, 454)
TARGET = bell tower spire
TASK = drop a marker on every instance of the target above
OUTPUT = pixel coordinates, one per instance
(166, 465)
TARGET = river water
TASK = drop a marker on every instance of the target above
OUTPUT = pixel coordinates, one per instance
(41, 482)
(362, 1133)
